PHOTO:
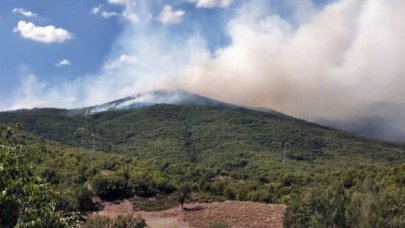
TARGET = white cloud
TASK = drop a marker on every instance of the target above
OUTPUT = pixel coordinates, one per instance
(24, 12)
(128, 13)
(130, 16)
(108, 14)
(46, 34)
(121, 61)
(97, 10)
(118, 2)
(63, 62)
(212, 3)
(168, 16)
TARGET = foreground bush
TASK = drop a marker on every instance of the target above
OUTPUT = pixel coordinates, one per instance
(25, 199)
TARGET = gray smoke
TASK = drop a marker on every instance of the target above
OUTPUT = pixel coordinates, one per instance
(348, 54)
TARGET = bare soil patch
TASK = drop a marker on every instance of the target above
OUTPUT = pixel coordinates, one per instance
(203, 215)
(235, 213)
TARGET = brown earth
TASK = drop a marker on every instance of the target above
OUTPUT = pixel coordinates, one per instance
(203, 215)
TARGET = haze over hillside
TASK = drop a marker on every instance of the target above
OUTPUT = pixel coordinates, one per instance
(384, 121)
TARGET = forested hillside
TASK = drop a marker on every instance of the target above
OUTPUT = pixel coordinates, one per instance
(201, 134)
(327, 177)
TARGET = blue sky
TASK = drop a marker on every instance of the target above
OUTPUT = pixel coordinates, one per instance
(280, 54)
(92, 40)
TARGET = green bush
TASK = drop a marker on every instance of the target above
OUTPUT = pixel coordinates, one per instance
(84, 197)
(128, 222)
(25, 199)
(110, 187)
(122, 221)
(141, 185)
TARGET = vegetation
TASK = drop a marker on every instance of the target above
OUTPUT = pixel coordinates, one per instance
(330, 178)
(25, 199)
(119, 222)
(372, 197)
(155, 203)
(216, 137)
(183, 194)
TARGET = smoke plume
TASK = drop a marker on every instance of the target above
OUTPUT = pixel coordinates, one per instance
(346, 55)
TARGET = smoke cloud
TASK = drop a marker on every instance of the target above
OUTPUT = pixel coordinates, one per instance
(347, 55)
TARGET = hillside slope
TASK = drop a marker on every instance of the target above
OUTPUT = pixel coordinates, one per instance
(209, 135)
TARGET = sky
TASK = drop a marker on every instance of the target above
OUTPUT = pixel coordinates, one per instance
(48, 44)
(306, 58)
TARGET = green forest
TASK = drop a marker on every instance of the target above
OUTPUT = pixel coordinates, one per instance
(52, 163)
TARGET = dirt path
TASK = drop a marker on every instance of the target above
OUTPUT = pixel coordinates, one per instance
(202, 215)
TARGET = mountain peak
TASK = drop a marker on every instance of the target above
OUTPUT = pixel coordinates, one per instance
(141, 100)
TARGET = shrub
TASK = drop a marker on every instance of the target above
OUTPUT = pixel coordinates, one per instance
(110, 187)
(98, 222)
(128, 222)
(25, 199)
(122, 221)
(83, 196)
(183, 194)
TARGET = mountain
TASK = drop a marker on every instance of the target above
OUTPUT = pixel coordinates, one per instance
(382, 121)
(184, 126)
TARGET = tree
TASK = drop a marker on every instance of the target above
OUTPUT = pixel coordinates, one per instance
(184, 192)
(25, 199)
